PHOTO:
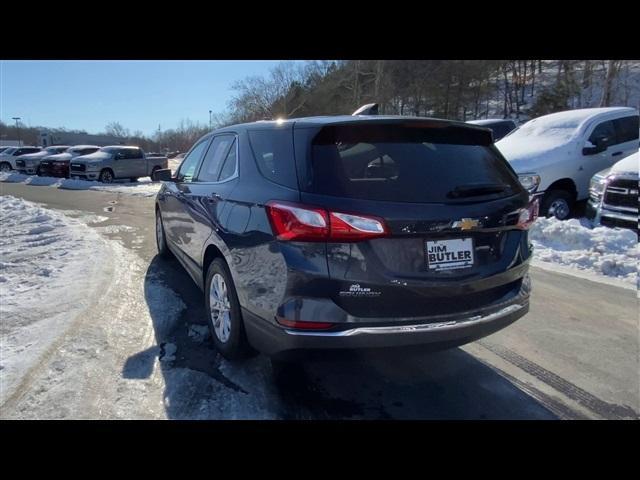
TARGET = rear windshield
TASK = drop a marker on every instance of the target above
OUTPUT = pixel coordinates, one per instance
(399, 164)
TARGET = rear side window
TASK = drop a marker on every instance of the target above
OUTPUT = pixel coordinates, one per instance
(132, 153)
(229, 166)
(627, 128)
(398, 164)
(273, 151)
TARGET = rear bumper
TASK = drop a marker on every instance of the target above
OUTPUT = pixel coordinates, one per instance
(443, 331)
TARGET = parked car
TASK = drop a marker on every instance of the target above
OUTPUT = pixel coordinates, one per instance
(500, 127)
(58, 165)
(613, 195)
(30, 163)
(114, 162)
(10, 155)
(349, 232)
(556, 155)
(2, 149)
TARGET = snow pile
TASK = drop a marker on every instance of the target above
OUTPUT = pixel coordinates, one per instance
(143, 187)
(611, 252)
(50, 265)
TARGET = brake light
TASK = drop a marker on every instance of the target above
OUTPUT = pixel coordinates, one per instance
(294, 222)
(303, 325)
(528, 215)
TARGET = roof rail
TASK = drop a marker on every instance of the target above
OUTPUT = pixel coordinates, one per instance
(368, 109)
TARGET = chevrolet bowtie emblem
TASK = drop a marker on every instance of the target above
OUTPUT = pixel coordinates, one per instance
(466, 224)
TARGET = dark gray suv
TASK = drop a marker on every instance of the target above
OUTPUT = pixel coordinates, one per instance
(349, 232)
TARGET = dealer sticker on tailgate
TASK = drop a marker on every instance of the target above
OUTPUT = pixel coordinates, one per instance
(449, 254)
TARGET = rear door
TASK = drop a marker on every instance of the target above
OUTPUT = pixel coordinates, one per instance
(449, 200)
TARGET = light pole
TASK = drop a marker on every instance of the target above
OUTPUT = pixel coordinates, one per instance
(209, 119)
(17, 119)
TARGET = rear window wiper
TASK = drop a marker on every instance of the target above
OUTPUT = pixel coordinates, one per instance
(477, 189)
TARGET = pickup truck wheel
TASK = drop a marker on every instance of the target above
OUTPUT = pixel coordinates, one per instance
(161, 240)
(557, 203)
(106, 176)
(224, 314)
(5, 167)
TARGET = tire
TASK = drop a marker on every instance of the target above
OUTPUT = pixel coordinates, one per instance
(133, 179)
(106, 176)
(5, 167)
(161, 239)
(153, 173)
(227, 328)
(558, 204)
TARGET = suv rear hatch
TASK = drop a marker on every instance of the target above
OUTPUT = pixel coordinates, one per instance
(450, 204)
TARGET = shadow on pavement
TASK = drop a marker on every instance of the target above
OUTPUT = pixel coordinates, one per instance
(374, 385)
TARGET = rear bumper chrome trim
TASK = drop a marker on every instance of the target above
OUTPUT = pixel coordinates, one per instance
(439, 326)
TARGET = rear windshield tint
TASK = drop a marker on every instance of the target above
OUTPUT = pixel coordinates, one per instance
(400, 164)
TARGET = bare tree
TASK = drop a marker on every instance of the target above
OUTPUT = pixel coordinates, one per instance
(609, 83)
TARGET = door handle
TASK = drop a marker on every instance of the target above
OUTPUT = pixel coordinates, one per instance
(616, 154)
(213, 197)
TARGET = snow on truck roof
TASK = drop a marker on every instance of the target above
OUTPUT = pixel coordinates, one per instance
(575, 118)
(559, 128)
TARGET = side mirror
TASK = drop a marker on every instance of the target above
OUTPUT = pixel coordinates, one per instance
(600, 146)
(162, 175)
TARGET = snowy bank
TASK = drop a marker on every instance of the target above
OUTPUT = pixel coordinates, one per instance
(600, 251)
(143, 187)
(50, 267)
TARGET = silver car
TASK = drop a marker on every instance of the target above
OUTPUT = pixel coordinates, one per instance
(115, 162)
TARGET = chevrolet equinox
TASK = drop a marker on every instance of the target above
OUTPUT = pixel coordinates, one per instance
(347, 232)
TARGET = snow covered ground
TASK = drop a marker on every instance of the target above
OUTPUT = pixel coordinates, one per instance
(601, 252)
(143, 187)
(49, 266)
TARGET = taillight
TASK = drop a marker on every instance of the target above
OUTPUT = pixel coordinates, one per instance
(302, 223)
(528, 215)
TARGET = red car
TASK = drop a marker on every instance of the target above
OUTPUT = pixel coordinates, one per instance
(58, 165)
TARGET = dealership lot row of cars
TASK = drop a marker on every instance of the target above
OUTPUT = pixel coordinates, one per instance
(88, 162)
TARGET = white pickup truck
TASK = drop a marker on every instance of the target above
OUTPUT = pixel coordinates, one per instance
(116, 162)
(556, 155)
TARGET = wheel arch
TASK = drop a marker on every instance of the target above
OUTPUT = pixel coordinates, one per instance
(566, 184)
